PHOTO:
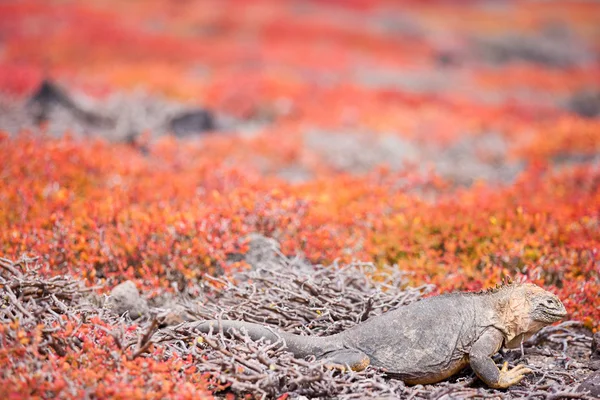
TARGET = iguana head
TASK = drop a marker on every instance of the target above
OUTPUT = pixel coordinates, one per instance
(546, 308)
(523, 309)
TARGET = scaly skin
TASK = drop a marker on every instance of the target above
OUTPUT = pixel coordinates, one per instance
(432, 339)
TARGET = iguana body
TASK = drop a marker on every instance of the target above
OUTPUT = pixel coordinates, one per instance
(432, 339)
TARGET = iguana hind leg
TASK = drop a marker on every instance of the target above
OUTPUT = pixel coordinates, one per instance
(342, 359)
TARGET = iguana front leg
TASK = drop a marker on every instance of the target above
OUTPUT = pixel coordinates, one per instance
(485, 368)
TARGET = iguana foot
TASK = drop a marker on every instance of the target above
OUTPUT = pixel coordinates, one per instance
(342, 359)
(508, 378)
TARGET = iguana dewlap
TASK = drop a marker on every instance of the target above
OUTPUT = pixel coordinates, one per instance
(432, 339)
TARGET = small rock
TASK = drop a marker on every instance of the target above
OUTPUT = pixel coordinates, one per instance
(192, 122)
(125, 298)
(262, 250)
(591, 384)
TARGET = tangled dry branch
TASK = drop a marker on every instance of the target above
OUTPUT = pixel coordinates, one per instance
(29, 300)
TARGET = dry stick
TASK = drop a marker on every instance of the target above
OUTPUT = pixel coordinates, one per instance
(11, 295)
(9, 266)
(368, 308)
(144, 341)
(60, 304)
(222, 349)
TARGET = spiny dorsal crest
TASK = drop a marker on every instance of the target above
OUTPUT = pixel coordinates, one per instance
(507, 282)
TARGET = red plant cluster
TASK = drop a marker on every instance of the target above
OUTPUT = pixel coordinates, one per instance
(106, 212)
(109, 373)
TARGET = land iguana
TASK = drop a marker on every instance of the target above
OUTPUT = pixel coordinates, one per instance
(429, 340)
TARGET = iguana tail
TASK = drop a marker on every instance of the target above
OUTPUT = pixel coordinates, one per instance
(300, 346)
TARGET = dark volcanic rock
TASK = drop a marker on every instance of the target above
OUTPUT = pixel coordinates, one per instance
(192, 122)
(556, 48)
(50, 96)
(585, 104)
(45, 96)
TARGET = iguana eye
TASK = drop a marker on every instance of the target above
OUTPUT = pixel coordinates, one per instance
(551, 303)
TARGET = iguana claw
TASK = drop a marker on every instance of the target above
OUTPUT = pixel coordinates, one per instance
(510, 377)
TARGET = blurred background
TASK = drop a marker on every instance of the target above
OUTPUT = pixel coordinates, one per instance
(459, 140)
(471, 90)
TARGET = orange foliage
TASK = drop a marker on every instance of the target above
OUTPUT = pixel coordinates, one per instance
(106, 212)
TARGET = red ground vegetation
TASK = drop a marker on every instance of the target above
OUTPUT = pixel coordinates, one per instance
(106, 212)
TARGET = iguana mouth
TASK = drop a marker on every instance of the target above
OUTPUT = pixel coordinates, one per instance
(559, 314)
